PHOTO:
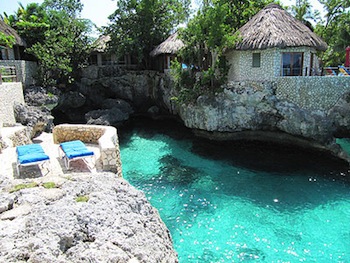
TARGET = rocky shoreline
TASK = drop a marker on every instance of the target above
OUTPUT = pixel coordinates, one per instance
(82, 217)
(49, 214)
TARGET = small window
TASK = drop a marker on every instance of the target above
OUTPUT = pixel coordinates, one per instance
(256, 60)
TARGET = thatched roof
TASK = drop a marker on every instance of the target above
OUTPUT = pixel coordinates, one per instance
(9, 31)
(275, 27)
(100, 44)
(170, 46)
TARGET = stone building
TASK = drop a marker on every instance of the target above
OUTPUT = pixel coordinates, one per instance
(273, 44)
(14, 57)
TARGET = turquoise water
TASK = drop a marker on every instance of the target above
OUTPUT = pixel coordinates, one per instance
(241, 202)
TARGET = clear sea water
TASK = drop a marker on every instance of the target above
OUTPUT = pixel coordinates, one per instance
(240, 202)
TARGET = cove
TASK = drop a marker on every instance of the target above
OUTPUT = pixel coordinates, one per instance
(240, 201)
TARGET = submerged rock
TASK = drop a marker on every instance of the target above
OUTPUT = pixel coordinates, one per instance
(114, 222)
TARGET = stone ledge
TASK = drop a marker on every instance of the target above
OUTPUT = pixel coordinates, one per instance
(105, 136)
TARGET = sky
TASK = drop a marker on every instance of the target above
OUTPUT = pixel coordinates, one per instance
(99, 10)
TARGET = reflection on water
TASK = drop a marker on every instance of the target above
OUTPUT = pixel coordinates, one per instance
(243, 201)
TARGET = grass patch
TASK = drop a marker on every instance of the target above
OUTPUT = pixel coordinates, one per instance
(23, 186)
(82, 198)
(49, 185)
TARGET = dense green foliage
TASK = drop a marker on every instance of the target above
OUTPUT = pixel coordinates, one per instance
(137, 26)
(302, 10)
(30, 22)
(55, 36)
(6, 41)
(335, 30)
(58, 38)
(208, 34)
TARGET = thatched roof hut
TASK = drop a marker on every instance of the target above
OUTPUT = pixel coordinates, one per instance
(275, 27)
(170, 46)
(100, 44)
(9, 31)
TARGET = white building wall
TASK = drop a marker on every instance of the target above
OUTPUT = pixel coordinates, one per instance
(9, 94)
(241, 63)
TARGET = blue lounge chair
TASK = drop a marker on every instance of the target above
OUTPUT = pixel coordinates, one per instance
(75, 150)
(31, 154)
(344, 71)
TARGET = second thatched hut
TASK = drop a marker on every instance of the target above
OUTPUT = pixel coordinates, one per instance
(165, 52)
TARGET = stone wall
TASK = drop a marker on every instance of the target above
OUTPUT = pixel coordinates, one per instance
(271, 59)
(9, 94)
(105, 136)
(312, 93)
(25, 70)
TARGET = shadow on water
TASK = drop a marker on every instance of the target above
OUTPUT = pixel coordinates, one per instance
(253, 155)
(271, 157)
(291, 175)
(147, 128)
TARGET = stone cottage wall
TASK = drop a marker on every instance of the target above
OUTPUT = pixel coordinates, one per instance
(242, 69)
(10, 93)
(242, 65)
(314, 93)
(25, 70)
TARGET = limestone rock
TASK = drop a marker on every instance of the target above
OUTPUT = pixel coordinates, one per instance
(236, 109)
(3, 144)
(340, 114)
(113, 112)
(36, 119)
(253, 106)
(116, 224)
(111, 117)
(313, 125)
(38, 96)
(6, 202)
(117, 103)
(71, 100)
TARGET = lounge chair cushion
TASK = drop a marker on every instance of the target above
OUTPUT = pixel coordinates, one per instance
(74, 149)
(31, 153)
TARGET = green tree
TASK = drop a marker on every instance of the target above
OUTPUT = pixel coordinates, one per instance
(212, 30)
(55, 36)
(138, 25)
(30, 22)
(335, 30)
(6, 40)
(302, 11)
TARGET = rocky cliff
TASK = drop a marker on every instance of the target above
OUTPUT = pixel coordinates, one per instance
(251, 110)
(110, 95)
(91, 218)
(244, 110)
